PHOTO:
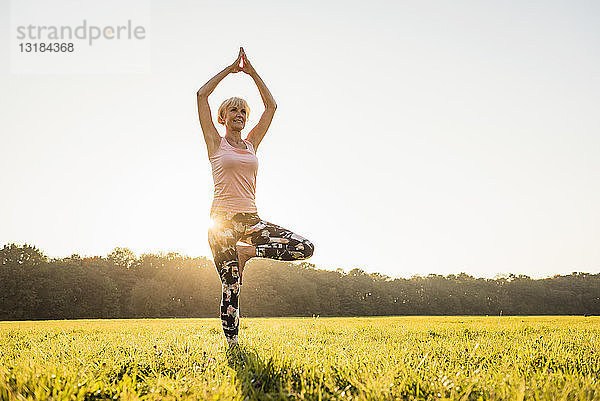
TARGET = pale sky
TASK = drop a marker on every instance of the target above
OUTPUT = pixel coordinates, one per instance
(410, 137)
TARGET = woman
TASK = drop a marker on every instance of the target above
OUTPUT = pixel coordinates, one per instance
(233, 212)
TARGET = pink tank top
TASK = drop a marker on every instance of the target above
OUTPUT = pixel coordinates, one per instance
(234, 174)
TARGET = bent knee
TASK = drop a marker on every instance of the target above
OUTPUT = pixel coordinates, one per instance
(309, 249)
(300, 251)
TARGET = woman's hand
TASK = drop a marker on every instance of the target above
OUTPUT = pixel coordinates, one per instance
(258, 132)
(235, 67)
(211, 135)
(246, 66)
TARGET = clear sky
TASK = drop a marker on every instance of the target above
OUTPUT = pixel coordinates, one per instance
(410, 137)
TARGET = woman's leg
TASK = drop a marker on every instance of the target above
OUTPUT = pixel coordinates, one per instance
(275, 242)
(222, 237)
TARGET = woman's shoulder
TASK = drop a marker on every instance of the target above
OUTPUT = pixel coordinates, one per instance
(215, 147)
(249, 144)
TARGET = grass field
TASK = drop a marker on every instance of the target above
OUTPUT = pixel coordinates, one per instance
(421, 358)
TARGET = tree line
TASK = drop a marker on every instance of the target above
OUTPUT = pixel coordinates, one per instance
(123, 285)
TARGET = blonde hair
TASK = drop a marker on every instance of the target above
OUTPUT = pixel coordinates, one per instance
(232, 101)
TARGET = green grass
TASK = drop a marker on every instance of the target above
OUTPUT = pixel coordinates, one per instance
(420, 358)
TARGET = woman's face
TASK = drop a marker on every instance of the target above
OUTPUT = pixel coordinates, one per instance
(235, 118)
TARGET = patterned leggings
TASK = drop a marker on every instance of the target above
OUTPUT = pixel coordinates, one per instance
(271, 241)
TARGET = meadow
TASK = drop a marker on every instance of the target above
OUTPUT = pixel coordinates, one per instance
(405, 358)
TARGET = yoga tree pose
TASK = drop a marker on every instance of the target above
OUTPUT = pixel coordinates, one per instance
(238, 233)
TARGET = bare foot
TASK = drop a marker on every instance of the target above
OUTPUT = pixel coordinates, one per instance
(245, 253)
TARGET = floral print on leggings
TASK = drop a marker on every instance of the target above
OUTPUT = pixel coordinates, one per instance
(271, 241)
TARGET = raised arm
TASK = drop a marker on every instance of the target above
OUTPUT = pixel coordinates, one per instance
(257, 133)
(211, 135)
